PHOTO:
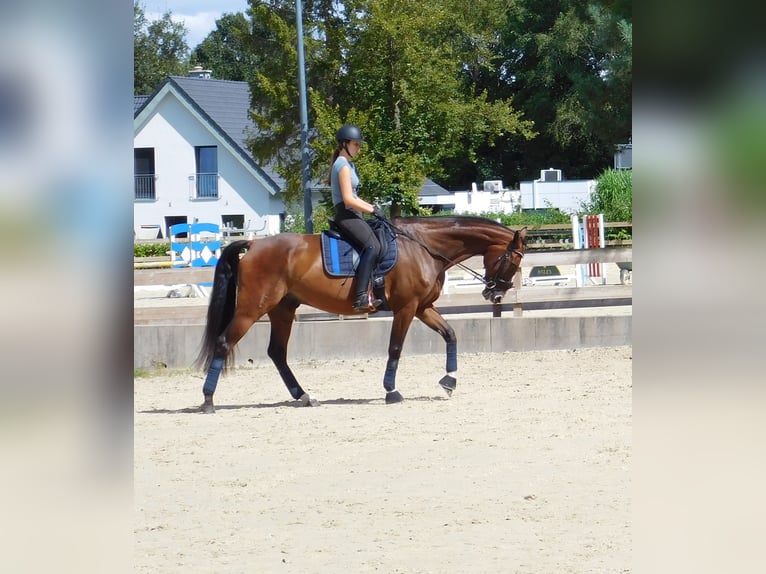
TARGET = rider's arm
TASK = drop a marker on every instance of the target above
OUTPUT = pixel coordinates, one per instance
(347, 192)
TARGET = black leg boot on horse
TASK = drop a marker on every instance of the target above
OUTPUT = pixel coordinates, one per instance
(362, 300)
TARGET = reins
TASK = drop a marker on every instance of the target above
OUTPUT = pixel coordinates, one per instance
(490, 284)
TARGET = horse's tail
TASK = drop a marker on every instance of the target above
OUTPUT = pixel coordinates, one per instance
(223, 301)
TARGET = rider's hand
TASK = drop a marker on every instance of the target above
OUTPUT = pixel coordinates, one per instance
(378, 212)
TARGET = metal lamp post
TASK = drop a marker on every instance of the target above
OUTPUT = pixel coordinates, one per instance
(306, 169)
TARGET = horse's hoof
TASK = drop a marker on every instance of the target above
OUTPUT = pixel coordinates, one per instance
(207, 407)
(448, 383)
(394, 397)
(308, 400)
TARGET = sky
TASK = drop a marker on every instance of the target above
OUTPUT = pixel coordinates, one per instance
(199, 16)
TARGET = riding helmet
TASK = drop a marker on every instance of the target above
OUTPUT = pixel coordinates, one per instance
(349, 133)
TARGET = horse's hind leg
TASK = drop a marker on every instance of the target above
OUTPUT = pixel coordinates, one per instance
(282, 318)
(226, 342)
(435, 321)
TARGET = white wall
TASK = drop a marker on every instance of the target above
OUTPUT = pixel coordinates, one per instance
(566, 195)
(481, 201)
(173, 132)
(466, 202)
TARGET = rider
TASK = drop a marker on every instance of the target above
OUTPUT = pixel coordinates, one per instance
(348, 212)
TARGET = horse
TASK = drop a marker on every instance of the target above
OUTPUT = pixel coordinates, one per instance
(277, 274)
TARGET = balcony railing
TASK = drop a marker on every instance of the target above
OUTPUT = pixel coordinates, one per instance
(206, 186)
(144, 187)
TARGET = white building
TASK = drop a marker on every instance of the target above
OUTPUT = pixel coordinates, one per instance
(191, 163)
(493, 197)
(550, 190)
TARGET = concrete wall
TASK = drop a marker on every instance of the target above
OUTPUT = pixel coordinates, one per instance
(176, 346)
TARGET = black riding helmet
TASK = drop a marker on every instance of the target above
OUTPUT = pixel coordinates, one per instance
(349, 133)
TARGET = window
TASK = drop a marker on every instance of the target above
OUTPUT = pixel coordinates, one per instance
(207, 171)
(233, 221)
(143, 174)
(171, 220)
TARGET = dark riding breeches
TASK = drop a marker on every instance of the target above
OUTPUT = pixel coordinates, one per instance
(358, 232)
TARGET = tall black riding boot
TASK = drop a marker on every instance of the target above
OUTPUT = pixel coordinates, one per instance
(363, 273)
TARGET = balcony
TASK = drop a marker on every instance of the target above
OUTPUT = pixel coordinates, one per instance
(203, 186)
(143, 187)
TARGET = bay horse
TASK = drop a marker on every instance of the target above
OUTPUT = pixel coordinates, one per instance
(278, 274)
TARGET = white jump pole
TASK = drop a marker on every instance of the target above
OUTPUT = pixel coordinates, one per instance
(577, 240)
(601, 244)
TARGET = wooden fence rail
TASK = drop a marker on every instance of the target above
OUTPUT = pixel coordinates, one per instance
(559, 297)
(516, 299)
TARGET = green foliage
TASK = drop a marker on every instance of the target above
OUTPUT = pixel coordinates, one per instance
(224, 52)
(295, 222)
(550, 216)
(453, 90)
(394, 67)
(150, 249)
(613, 196)
(570, 71)
(619, 234)
(272, 37)
(159, 50)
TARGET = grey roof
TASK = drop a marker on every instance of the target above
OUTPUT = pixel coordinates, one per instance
(138, 103)
(226, 105)
(430, 187)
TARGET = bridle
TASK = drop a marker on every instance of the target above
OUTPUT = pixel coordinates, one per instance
(496, 282)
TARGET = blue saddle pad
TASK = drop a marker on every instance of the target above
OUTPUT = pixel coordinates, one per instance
(340, 258)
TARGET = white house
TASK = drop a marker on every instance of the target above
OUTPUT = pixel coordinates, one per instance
(191, 163)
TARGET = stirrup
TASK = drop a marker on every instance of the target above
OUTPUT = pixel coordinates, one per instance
(366, 303)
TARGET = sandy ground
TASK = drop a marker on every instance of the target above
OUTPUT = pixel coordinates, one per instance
(526, 469)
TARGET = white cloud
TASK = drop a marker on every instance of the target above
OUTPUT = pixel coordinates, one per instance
(199, 25)
(198, 16)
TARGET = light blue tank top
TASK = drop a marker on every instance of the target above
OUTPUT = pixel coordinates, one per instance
(334, 179)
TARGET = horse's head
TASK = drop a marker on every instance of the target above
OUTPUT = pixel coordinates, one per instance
(500, 265)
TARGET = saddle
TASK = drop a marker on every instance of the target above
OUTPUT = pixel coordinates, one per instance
(340, 258)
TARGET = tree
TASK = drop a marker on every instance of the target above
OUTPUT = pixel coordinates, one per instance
(159, 50)
(411, 67)
(395, 68)
(457, 91)
(568, 66)
(223, 51)
(272, 37)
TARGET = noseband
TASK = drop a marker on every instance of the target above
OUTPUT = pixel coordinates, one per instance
(497, 282)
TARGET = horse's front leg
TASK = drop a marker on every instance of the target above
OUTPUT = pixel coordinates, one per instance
(435, 321)
(400, 326)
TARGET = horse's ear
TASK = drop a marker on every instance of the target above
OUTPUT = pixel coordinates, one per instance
(520, 235)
